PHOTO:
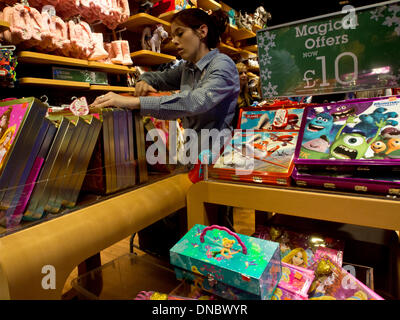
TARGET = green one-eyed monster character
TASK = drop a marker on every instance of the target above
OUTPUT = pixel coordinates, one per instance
(352, 145)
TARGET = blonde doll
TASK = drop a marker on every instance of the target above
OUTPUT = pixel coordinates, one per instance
(5, 143)
(297, 257)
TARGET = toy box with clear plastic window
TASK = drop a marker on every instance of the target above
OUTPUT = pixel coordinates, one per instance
(246, 263)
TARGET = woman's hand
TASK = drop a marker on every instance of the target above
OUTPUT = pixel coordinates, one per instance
(142, 88)
(112, 99)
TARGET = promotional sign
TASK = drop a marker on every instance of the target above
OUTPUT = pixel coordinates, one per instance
(352, 50)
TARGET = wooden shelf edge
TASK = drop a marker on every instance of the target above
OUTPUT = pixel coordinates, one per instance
(208, 5)
(167, 16)
(111, 88)
(45, 58)
(53, 82)
(144, 19)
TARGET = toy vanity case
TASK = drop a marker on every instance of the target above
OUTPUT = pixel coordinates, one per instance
(262, 150)
(228, 260)
(352, 135)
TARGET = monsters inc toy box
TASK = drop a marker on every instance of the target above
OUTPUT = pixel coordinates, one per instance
(352, 135)
(360, 182)
(246, 263)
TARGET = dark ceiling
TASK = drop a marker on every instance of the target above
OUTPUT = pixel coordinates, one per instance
(288, 11)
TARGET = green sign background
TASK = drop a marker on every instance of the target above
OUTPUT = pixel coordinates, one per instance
(366, 57)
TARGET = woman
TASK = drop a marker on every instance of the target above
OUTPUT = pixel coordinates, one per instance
(245, 99)
(208, 80)
(209, 86)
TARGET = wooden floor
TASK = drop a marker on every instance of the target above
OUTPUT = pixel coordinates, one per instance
(243, 224)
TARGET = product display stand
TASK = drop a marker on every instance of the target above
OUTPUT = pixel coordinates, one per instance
(363, 210)
(68, 240)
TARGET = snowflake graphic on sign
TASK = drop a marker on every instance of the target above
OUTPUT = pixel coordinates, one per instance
(266, 41)
(390, 20)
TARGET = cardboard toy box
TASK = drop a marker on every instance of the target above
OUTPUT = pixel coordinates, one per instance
(246, 263)
(352, 135)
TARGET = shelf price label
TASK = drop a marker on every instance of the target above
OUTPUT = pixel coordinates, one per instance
(352, 50)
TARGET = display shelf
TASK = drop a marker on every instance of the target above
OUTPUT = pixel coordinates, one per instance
(256, 27)
(167, 16)
(40, 82)
(169, 48)
(150, 58)
(4, 25)
(137, 22)
(240, 34)
(111, 219)
(111, 88)
(208, 5)
(224, 48)
(44, 58)
(253, 69)
(110, 68)
(247, 54)
(252, 48)
(364, 210)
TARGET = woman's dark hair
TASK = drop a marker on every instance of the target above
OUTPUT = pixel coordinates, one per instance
(216, 22)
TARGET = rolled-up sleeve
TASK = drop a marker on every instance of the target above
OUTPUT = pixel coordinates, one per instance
(220, 81)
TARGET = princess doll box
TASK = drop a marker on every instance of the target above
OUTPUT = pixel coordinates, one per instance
(247, 263)
(351, 135)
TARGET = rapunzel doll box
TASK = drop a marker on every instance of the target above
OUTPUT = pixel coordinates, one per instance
(352, 135)
(246, 263)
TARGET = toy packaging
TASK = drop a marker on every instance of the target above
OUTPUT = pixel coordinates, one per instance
(334, 283)
(262, 157)
(210, 285)
(296, 280)
(283, 294)
(356, 181)
(360, 134)
(299, 249)
(247, 263)
(270, 118)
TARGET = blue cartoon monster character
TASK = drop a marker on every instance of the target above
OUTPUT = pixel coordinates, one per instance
(368, 122)
(320, 125)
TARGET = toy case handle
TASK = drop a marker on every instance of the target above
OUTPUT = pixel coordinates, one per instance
(244, 249)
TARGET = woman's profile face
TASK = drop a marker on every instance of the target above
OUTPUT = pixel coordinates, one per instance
(186, 41)
(243, 76)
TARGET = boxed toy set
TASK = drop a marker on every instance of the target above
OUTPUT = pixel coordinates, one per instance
(262, 148)
(249, 264)
(352, 135)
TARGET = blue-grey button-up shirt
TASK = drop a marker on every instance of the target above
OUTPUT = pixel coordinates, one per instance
(208, 93)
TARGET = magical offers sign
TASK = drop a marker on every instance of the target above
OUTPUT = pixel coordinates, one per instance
(353, 50)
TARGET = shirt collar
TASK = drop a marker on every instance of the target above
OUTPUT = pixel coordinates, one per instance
(203, 62)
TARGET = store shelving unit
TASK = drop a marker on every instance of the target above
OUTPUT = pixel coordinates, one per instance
(240, 34)
(41, 82)
(208, 5)
(229, 50)
(252, 48)
(43, 58)
(247, 54)
(167, 16)
(111, 88)
(137, 22)
(150, 58)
